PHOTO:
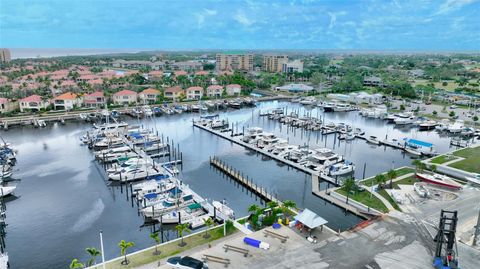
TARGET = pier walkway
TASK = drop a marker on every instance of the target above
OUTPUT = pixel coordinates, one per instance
(226, 135)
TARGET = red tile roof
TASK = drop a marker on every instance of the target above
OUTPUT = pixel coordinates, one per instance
(3, 100)
(195, 88)
(234, 86)
(214, 87)
(31, 98)
(180, 73)
(125, 92)
(151, 91)
(66, 96)
(95, 94)
(174, 89)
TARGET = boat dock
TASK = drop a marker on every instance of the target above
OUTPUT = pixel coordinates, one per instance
(239, 177)
(227, 136)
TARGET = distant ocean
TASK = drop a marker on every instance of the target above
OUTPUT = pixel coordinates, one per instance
(22, 53)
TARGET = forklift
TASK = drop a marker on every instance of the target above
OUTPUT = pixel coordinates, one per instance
(446, 257)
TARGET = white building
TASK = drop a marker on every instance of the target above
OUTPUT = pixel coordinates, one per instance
(297, 88)
(292, 67)
(233, 89)
(32, 103)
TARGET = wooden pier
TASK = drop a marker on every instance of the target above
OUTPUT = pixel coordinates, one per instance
(239, 177)
(297, 166)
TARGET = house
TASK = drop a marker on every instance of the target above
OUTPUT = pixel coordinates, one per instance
(174, 92)
(372, 81)
(214, 91)
(125, 97)
(234, 89)
(96, 99)
(66, 101)
(194, 93)
(8, 105)
(32, 103)
(149, 96)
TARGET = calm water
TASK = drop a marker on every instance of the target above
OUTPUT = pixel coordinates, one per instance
(63, 200)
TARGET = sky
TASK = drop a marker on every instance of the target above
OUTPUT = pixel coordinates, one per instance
(452, 25)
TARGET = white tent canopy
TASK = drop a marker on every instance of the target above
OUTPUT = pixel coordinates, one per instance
(310, 219)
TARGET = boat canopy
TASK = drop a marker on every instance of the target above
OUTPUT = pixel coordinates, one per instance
(310, 219)
(209, 117)
(136, 135)
(150, 196)
(175, 190)
(195, 206)
(417, 143)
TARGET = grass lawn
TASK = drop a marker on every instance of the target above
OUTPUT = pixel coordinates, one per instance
(168, 249)
(365, 198)
(442, 159)
(405, 181)
(389, 198)
(400, 172)
(471, 162)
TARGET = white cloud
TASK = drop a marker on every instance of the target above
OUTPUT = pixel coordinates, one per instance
(452, 5)
(202, 15)
(241, 18)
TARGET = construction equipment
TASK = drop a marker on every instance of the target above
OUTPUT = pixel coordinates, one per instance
(446, 257)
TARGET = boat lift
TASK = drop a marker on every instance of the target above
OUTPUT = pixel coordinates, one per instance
(446, 257)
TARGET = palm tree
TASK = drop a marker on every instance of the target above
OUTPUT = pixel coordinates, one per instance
(254, 208)
(76, 264)
(392, 173)
(182, 228)
(155, 238)
(272, 204)
(433, 168)
(288, 204)
(348, 186)
(209, 223)
(417, 164)
(380, 179)
(124, 245)
(93, 252)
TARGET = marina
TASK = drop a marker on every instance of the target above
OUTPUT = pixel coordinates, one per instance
(77, 180)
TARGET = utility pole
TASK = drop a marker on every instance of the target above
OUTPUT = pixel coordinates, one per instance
(477, 230)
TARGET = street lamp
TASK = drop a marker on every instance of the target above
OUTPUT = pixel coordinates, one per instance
(101, 248)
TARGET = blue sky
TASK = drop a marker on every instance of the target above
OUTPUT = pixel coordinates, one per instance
(235, 24)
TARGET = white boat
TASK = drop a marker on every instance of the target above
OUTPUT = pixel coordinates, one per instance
(358, 132)
(440, 180)
(340, 169)
(184, 215)
(392, 142)
(252, 134)
(267, 139)
(223, 210)
(421, 190)
(322, 158)
(5, 174)
(443, 125)
(127, 163)
(427, 125)
(308, 101)
(456, 127)
(147, 111)
(114, 157)
(6, 190)
(412, 151)
(151, 146)
(466, 131)
(100, 153)
(4, 260)
(108, 142)
(135, 173)
(342, 107)
(218, 124)
(169, 204)
(404, 119)
(298, 155)
(372, 140)
(282, 148)
(329, 107)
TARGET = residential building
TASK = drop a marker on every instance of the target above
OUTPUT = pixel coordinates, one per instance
(66, 101)
(32, 103)
(274, 63)
(125, 97)
(234, 89)
(96, 99)
(149, 96)
(189, 66)
(292, 67)
(194, 93)
(138, 64)
(5, 56)
(234, 61)
(297, 88)
(174, 92)
(214, 91)
(8, 105)
(372, 81)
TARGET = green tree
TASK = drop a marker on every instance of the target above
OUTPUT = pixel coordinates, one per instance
(380, 180)
(451, 114)
(419, 165)
(76, 264)
(444, 83)
(391, 174)
(93, 252)
(348, 186)
(402, 107)
(124, 245)
(155, 238)
(434, 113)
(209, 223)
(475, 119)
(181, 229)
(254, 208)
(272, 204)
(433, 168)
(287, 205)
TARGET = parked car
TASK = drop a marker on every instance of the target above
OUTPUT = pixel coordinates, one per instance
(186, 262)
(453, 106)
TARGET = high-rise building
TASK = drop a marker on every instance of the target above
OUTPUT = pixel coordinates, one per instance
(292, 67)
(5, 56)
(234, 61)
(274, 63)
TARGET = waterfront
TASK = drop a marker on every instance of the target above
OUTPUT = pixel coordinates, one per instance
(64, 201)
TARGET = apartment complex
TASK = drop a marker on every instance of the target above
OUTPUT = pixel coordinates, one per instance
(5, 56)
(274, 63)
(234, 61)
(292, 67)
